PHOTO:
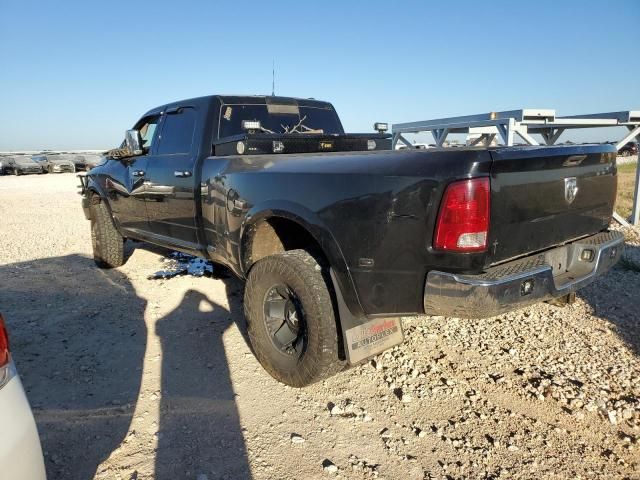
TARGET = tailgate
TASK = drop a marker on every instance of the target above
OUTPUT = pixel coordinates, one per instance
(534, 204)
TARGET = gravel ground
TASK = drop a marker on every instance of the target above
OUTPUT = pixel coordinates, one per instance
(138, 378)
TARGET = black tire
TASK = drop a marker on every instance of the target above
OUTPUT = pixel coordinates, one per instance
(316, 354)
(108, 244)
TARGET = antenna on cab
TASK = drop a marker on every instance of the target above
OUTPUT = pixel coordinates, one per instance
(273, 77)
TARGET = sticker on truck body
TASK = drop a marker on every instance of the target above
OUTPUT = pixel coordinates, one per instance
(373, 337)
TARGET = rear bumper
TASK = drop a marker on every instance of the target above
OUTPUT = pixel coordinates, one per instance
(528, 280)
(20, 451)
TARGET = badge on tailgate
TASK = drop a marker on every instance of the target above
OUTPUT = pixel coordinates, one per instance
(373, 337)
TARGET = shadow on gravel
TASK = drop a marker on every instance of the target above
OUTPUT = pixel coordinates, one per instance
(79, 340)
(199, 423)
(616, 297)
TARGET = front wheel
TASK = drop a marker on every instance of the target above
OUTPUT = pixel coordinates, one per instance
(291, 320)
(107, 243)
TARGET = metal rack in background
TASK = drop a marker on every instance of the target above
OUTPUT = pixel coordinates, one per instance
(524, 123)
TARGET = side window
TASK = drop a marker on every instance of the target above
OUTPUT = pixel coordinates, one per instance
(147, 128)
(177, 132)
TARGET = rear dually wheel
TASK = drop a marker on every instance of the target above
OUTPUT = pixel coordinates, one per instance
(291, 320)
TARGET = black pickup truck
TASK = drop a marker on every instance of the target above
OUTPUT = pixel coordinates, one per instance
(338, 235)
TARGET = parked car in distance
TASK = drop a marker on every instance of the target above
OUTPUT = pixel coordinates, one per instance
(20, 450)
(54, 163)
(79, 163)
(629, 150)
(417, 146)
(86, 162)
(20, 165)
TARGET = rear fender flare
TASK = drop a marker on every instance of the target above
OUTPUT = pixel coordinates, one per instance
(341, 278)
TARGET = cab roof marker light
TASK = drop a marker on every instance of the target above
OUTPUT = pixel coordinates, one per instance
(381, 127)
(251, 125)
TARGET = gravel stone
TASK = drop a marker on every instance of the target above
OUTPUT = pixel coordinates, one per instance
(295, 438)
(329, 467)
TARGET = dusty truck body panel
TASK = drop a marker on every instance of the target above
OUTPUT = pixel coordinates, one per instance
(204, 184)
(378, 206)
(528, 196)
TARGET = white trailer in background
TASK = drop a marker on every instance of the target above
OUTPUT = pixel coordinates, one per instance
(505, 126)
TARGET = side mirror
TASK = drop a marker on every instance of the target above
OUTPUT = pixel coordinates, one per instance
(133, 141)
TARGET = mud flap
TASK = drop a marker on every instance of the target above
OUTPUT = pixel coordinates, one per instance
(373, 337)
(363, 337)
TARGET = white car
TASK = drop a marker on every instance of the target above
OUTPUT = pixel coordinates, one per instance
(417, 146)
(20, 450)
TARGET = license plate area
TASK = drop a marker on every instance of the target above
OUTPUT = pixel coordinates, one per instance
(558, 259)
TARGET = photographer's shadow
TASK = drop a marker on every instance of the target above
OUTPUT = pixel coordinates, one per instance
(200, 430)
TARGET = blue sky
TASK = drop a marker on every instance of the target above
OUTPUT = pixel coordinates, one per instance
(77, 74)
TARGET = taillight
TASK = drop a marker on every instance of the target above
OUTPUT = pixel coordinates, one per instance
(463, 219)
(4, 344)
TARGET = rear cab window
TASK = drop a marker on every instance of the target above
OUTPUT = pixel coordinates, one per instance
(279, 118)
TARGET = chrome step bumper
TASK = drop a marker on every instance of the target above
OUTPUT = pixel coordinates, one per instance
(544, 276)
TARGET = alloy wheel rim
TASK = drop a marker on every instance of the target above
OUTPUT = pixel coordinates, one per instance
(284, 320)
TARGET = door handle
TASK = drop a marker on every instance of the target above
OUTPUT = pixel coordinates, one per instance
(138, 173)
(182, 173)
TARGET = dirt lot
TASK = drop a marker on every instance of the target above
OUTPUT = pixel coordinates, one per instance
(132, 378)
(626, 184)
